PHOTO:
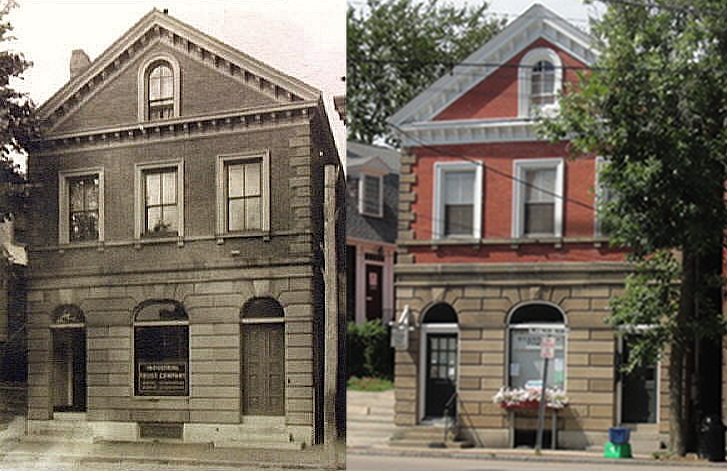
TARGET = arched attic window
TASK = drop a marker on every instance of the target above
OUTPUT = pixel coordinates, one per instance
(539, 81)
(159, 88)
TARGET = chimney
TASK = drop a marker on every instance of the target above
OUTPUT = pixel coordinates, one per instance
(79, 62)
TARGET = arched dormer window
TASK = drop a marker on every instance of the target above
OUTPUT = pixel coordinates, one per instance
(161, 92)
(159, 87)
(540, 80)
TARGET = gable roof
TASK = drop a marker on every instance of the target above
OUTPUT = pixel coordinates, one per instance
(538, 22)
(359, 155)
(155, 27)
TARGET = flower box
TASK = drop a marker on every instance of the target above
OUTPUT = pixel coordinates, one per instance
(529, 398)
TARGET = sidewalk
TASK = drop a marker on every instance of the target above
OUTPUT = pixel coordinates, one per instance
(16, 448)
(371, 422)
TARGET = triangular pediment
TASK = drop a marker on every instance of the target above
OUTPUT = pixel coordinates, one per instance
(537, 24)
(263, 85)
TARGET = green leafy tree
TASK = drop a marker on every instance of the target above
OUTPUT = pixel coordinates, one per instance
(655, 104)
(18, 126)
(397, 48)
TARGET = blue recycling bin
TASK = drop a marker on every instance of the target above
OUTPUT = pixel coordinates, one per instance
(619, 435)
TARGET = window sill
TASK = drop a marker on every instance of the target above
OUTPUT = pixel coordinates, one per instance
(513, 242)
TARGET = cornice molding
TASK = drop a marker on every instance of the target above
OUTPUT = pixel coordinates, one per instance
(155, 28)
(182, 128)
(456, 132)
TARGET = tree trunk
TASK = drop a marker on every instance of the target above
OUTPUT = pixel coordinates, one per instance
(679, 375)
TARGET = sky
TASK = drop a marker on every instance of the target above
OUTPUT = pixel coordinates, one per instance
(304, 39)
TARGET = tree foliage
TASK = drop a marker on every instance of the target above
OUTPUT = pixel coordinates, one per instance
(18, 126)
(655, 105)
(396, 48)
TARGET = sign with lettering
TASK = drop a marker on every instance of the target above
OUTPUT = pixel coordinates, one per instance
(400, 337)
(162, 379)
(547, 347)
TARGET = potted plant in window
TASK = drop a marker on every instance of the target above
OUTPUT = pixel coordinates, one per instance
(529, 398)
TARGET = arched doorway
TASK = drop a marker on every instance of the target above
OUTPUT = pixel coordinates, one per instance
(68, 360)
(263, 357)
(439, 362)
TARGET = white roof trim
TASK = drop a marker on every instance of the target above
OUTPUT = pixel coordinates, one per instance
(536, 23)
(456, 132)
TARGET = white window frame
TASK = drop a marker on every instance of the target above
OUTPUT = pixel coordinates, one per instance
(519, 170)
(222, 161)
(599, 197)
(537, 325)
(143, 81)
(362, 196)
(440, 169)
(525, 73)
(64, 208)
(139, 204)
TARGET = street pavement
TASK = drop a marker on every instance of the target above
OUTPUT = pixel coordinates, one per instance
(374, 462)
(371, 422)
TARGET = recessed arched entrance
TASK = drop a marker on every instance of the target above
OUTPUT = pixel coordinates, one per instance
(439, 363)
(68, 359)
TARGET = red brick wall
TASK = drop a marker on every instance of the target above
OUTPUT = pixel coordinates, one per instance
(496, 96)
(497, 218)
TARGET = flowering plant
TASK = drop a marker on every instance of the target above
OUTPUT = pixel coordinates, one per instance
(529, 398)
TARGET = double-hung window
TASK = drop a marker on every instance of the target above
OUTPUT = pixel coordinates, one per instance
(243, 193)
(542, 85)
(161, 92)
(159, 199)
(81, 206)
(457, 200)
(371, 195)
(603, 196)
(538, 198)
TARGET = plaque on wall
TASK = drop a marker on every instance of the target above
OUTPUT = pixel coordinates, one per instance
(162, 379)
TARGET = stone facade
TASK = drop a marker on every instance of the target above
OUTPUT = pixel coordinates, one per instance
(499, 246)
(229, 108)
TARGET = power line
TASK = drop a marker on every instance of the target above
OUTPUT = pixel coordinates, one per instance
(491, 169)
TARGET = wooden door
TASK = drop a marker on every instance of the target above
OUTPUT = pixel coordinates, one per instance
(263, 370)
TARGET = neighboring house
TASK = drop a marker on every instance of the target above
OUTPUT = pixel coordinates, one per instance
(371, 227)
(176, 278)
(499, 243)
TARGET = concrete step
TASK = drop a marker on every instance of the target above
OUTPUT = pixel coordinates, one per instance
(426, 436)
(60, 430)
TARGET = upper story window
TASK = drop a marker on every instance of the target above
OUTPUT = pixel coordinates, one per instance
(371, 195)
(161, 92)
(603, 196)
(540, 80)
(81, 206)
(243, 193)
(159, 89)
(159, 199)
(542, 85)
(457, 200)
(538, 198)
